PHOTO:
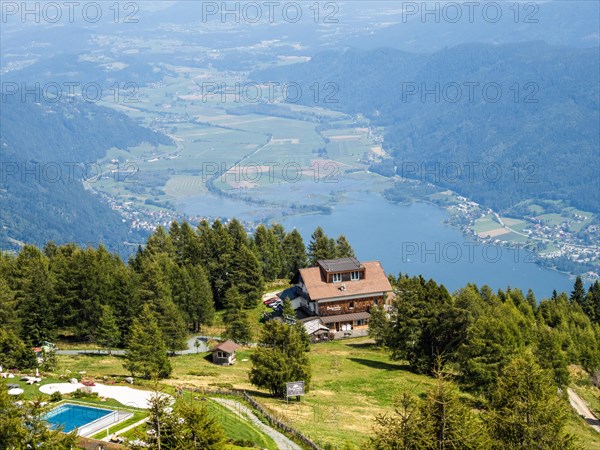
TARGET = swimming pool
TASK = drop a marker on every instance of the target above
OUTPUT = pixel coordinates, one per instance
(70, 416)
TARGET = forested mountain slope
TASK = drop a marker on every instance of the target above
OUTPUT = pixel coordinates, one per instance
(47, 150)
(497, 123)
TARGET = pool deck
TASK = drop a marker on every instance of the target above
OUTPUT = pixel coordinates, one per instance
(134, 398)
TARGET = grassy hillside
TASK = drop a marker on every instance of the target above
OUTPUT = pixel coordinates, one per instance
(353, 382)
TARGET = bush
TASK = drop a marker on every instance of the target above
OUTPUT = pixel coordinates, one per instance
(84, 393)
(56, 397)
(243, 443)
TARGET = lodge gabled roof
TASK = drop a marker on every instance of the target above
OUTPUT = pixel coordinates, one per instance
(340, 264)
(375, 281)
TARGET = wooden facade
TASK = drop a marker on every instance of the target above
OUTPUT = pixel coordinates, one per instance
(334, 308)
(341, 293)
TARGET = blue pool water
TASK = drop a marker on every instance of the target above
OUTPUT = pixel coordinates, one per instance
(70, 417)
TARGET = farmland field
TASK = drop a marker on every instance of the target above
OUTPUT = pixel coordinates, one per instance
(279, 158)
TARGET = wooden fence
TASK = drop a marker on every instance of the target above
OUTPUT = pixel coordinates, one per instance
(273, 421)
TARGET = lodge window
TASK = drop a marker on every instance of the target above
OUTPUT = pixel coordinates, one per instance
(361, 322)
(221, 355)
(355, 276)
(351, 305)
(336, 277)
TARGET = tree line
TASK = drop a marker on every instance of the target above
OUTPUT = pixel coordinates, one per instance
(174, 284)
(477, 331)
(509, 354)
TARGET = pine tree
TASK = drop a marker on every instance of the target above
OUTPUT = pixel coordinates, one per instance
(525, 410)
(172, 327)
(200, 430)
(186, 244)
(404, 429)
(449, 421)
(320, 247)
(592, 303)
(440, 421)
(531, 300)
(197, 301)
(35, 310)
(247, 276)
(280, 358)
(8, 305)
(288, 310)
(295, 250)
(14, 353)
(379, 325)
(159, 242)
(238, 234)
(146, 353)
(343, 249)
(108, 334)
(578, 293)
(491, 342)
(217, 253)
(237, 327)
(269, 251)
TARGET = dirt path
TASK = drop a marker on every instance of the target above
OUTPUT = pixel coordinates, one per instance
(583, 410)
(240, 410)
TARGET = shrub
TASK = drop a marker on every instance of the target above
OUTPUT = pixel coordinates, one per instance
(84, 393)
(56, 397)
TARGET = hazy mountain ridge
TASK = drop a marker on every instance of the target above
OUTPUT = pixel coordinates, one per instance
(546, 116)
(47, 150)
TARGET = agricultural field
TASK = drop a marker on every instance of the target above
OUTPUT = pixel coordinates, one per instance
(274, 153)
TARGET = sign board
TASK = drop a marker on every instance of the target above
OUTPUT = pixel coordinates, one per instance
(294, 388)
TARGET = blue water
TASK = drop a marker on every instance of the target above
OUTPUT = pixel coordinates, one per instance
(414, 240)
(409, 239)
(70, 417)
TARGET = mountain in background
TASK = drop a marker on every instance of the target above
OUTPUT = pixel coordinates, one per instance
(47, 150)
(538, 139)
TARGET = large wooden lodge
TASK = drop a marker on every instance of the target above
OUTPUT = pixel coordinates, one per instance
(337, 295)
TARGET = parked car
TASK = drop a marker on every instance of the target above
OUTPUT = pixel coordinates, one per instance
(271, 300)
(276, 304)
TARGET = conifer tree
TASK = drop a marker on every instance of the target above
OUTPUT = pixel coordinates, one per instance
(343, 249)
(578, 293)
(237, 327)
(280, 358)
(108, 334)
(172, 327)
(146, 353)
(525, 410)
(320, 247)
(295, 252)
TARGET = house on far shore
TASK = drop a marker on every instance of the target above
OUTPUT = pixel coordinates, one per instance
(340, 293)
(224, 353)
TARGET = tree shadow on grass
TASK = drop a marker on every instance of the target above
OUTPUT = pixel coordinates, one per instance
(364, 345)
(380, 364)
